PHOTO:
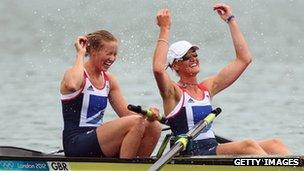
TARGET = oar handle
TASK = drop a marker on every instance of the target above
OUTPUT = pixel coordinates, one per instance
(216, 111)
(148, 113)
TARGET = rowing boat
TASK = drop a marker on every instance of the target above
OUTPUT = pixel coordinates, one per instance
(13, 158)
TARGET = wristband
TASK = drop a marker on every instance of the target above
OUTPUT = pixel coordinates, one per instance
(229, 18)
(163, 40)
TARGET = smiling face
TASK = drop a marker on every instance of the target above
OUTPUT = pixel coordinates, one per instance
(102, 48)
(188, 64)
(105, 56)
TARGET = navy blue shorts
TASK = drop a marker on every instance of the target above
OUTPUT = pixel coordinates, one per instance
(201, 147)
(83, 145)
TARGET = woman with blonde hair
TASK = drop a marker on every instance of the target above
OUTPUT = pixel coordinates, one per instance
(85, 91)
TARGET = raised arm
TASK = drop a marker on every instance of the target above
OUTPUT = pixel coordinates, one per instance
(73, 77)
(235, 68)
(163, 80)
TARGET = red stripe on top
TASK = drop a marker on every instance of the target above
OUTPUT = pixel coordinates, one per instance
(105, 78)
(204, 88)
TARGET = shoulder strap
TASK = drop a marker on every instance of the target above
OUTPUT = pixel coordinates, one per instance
(204, 88)
(106, 77)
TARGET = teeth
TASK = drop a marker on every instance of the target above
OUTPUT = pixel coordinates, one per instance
(193, 65)
(108, 63)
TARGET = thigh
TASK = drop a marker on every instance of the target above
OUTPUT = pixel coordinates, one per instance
(83, 145)
(229, 148)
(240, 147)
(111, 134)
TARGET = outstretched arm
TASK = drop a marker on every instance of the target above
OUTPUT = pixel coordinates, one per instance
(73, 77)
(235, 68)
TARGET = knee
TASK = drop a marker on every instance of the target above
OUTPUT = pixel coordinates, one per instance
(137, 122)
(276, 142)
(154, 128)
(250, 143)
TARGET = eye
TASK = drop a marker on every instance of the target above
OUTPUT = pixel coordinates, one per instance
(194, 54)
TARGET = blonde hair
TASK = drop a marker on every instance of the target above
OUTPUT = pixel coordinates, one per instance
(96, 39)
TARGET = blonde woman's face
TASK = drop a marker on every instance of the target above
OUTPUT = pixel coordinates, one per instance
(106, 56)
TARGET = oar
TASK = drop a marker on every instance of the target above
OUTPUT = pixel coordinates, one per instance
(147, 113)
(218, 138)
(182, 142)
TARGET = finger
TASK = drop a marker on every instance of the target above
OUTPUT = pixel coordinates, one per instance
(168, 14)
(166, 11)
(158, 13)
(219, 5)
(220, 12)
(77, 42)
(154, 110)
(220, 8)
(216, 6)
(82, 42)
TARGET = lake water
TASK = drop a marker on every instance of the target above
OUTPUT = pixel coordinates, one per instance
(37, 46)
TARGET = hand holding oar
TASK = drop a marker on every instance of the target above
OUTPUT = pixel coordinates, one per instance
(182, 142)
(148, 113)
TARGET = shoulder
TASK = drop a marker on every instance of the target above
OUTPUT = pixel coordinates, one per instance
(108, 76)
(207, 85)
(112, 80)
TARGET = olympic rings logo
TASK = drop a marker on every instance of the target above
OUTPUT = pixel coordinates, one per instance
(7, 164)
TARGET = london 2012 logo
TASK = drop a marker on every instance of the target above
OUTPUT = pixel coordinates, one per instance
(23, 165)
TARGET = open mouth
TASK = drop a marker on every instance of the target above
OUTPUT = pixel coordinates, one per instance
(108, 63)
(193, 65)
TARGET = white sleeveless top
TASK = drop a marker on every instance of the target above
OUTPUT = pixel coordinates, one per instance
(188, 112)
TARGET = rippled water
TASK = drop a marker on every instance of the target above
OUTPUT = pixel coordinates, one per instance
(37, 46)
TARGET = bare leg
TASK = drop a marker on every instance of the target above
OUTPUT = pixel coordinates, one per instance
(240, 147)
(150, 139)
(274, 146)
(121, 136)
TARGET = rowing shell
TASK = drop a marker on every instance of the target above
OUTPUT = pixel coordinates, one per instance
(13, 158)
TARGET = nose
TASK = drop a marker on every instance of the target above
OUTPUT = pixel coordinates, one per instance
(113, 58)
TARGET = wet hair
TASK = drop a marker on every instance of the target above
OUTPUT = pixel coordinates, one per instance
(96, 39)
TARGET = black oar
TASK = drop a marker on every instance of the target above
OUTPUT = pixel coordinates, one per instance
(182, 142)
(147, 113)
